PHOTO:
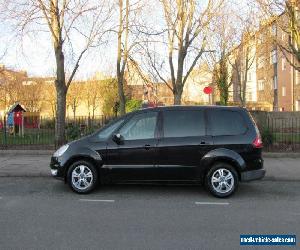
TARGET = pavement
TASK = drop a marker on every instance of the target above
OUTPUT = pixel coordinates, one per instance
(42, 213)
(14, 163)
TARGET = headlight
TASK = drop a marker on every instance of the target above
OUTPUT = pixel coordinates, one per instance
(61, 150)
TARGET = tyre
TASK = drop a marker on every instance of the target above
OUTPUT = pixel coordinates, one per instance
(82, 177)
(222, 180)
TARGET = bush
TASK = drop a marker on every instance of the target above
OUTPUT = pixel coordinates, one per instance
(267, 137)
(48, 124)
(73, 131)
(133, 104)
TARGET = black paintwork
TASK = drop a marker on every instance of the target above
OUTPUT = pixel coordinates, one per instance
(172, 159)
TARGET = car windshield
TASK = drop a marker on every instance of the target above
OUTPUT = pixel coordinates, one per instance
(105, 132)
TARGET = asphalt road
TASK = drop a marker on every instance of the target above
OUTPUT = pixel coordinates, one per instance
(42, 213)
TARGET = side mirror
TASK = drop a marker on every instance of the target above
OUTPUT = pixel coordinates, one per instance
(118, 138)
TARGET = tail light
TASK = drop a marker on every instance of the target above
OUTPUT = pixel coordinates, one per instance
(257, 143)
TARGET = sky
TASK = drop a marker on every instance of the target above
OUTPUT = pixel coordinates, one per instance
(34, 53)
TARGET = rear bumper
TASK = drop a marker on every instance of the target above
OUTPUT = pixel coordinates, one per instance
(253, 175)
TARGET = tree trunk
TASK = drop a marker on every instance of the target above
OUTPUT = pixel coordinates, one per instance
(60, 117)
(177, 99)
(74, 113)
(122, 55)
(177, 96)
(122, 99)
(61, 94)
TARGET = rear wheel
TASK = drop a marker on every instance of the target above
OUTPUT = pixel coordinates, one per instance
(222, 180)
(82, 177)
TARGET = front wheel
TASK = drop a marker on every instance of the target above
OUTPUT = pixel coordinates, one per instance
(222, 180)
(82, 177)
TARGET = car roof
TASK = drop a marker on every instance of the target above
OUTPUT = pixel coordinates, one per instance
(191, 107)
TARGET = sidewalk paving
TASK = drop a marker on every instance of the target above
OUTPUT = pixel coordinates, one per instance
(13, 163)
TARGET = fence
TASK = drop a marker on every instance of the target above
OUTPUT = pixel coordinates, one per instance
(280, 131)
(43, 135)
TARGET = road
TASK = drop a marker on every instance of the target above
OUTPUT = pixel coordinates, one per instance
(42, 213)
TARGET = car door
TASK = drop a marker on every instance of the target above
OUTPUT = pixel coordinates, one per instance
(183, 144)
(133, 157)
(229, 130)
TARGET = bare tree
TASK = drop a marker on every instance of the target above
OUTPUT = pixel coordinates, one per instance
(286, 16)
(244, 55)
(122, 52)
(66, 21)
(32, 95)
(188, 26)
(223, 40)
(92, 90)
(74, 96)
(128, 11)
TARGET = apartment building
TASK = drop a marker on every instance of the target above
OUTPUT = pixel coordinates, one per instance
(273, 84)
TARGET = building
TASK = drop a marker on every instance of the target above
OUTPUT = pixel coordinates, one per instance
(272, 83)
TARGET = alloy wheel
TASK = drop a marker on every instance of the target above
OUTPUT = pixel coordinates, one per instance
(82, 177)
(222, 180)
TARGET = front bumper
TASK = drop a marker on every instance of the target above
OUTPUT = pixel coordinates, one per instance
(57, 168)
(253, 175)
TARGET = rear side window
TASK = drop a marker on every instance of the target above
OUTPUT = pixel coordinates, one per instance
(226, 122)
(182, 123)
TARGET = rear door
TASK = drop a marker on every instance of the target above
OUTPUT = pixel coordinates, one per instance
(229, 130)
(184, 142)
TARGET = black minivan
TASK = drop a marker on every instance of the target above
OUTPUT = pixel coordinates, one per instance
(214, 145)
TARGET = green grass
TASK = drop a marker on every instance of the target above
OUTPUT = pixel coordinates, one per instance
(286, 137)
(46, 138)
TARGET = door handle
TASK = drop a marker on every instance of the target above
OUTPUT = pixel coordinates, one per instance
(147, 146)
(202, 143)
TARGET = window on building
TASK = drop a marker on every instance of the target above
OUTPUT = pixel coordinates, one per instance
(261, 85)
(260, 39)
(297, 16)
(297, 105)
(249, 76)
(250, 97)
(273, 56)
(283, 91)
(283, 63)
(273, 29)
(275, 84)
(297, 77)
(283, 36)
(260, 62)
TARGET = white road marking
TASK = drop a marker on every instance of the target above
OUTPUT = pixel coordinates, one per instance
(211, 203)
(97, 200)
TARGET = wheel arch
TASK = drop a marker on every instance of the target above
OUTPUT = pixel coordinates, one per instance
(96, 161)
(222, 155)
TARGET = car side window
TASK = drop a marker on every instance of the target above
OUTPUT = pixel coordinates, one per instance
(227, 122)
(140, 126)
(106, 132)
(183, 123)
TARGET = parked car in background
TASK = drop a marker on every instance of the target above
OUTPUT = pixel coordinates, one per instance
(213, 145)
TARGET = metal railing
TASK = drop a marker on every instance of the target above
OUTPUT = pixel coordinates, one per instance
(40, 133)
(280, 132)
